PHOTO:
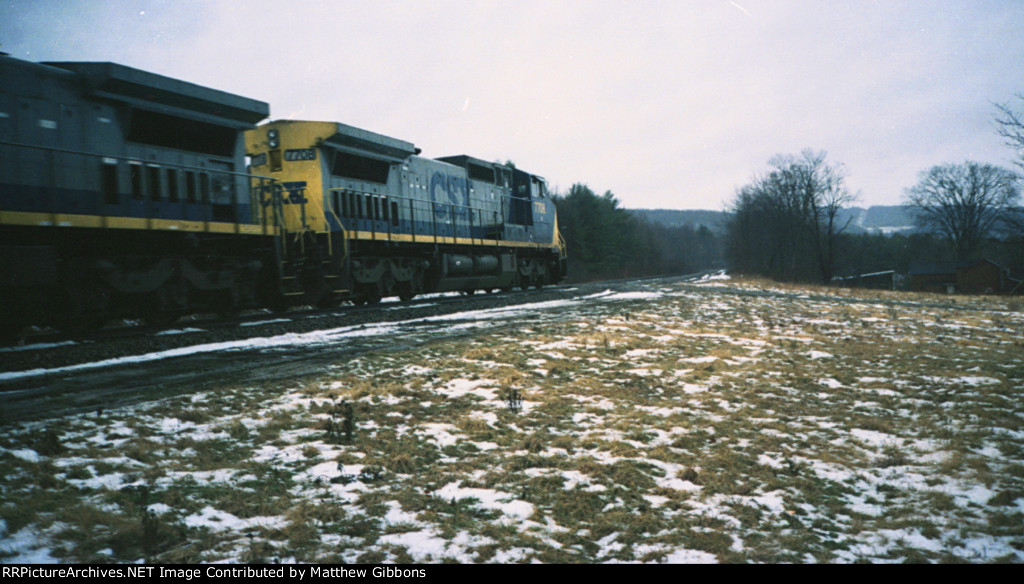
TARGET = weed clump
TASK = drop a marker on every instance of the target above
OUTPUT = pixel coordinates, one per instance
(688, 474)
(1006, 498)
(48, 443)
(341, 425)
(514, 400)
(893, 456)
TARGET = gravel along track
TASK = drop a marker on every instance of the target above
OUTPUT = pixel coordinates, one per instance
(44, 381)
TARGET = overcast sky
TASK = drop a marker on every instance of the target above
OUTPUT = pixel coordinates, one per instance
(669, 104)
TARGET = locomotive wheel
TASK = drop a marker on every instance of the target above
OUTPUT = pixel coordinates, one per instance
(9, 332)
(278, 303)
(329, 300)
(162, 318)
(87, 309)
(225, 306)
(82, 325)
(368, 294)
(516, 281)
(405, 292)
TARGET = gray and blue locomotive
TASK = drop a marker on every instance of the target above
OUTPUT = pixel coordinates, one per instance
(387, 221)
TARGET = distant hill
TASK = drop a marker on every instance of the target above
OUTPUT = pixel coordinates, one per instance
(714, 220)
(884, 219)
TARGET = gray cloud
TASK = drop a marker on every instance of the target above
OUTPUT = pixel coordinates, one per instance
(668, 104)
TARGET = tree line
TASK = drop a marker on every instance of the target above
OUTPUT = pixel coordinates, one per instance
(604, 240)
(785, 224)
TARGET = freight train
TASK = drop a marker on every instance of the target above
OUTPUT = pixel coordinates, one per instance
(127, 194)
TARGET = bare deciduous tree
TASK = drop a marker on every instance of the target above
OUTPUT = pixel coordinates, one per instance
(1010, 125)
(963, 202)
(785, 222)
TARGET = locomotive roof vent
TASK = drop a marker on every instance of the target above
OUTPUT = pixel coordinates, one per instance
(145, 90)
(366, 143)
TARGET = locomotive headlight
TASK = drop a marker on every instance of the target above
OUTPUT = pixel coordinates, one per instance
(273, 139)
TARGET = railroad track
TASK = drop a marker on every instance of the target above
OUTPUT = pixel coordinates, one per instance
(197, 323)
(117, 371)
(255, 320)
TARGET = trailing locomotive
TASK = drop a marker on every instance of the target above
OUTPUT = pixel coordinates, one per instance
(128, 194)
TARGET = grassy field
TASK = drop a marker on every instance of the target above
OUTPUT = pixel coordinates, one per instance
(726, 421)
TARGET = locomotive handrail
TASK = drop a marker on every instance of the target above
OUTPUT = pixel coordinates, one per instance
(238, 196)
(407, 198)
(137, 159)
(344, 233)
(276, 204)
(447, 207)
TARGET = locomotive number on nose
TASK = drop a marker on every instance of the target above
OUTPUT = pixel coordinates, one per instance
(303, 154)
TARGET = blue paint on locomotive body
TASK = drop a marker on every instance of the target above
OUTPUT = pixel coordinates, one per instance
(101, 139)
(460, 197)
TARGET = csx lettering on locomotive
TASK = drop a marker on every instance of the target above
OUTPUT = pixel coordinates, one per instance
(451, 192)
